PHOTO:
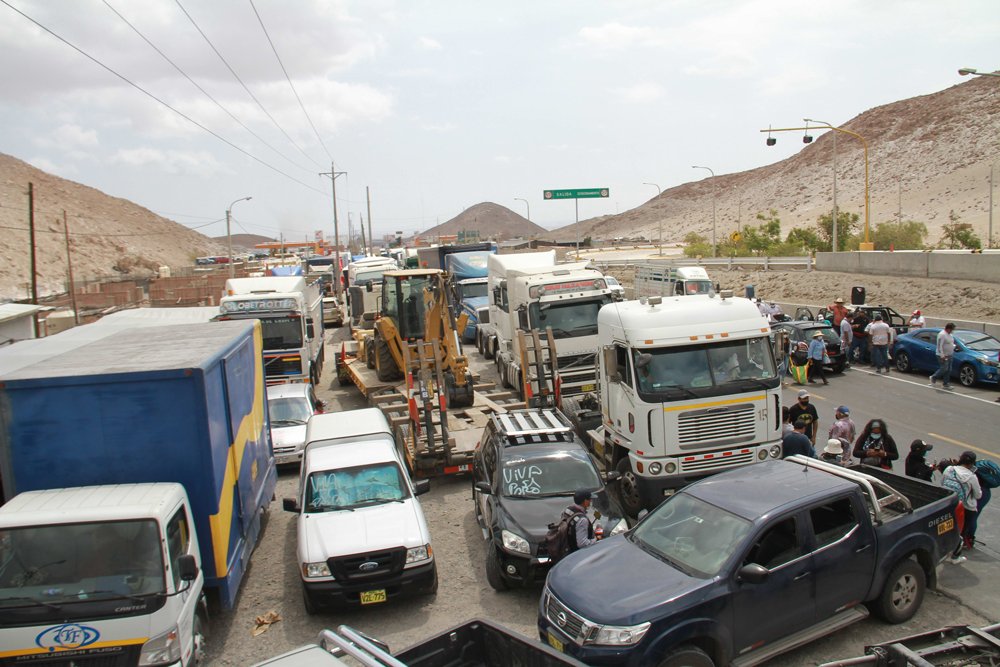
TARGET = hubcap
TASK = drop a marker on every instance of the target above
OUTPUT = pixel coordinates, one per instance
(904, 592)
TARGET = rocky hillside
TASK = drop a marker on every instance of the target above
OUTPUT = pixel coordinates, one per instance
(491, 220)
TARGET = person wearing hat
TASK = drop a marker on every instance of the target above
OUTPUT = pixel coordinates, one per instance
(844, 431)
(817, 357)
(838, 310)
(581, 530)
(945, 354)
(805, 411)
(916, 461)
(961, 478)
(859, 345)
(917, 320)
(833, 451)
(881, 338)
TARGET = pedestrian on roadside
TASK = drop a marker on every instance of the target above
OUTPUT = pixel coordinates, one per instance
(846, 338)
(875, 447)
(844, 431)
(797, 442)
(881, 339)
(838, 310)
(581, 530)
(859, 344)
(805, 411)
(961, 478)
(817, 357)
(786, 421)
(917, 320)
(988, 474)
(945, 353)
(832, 453)
(916, 464)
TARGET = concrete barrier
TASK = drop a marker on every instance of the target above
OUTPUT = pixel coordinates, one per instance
(949, 264)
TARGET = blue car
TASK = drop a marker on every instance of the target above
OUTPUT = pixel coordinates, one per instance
(975, 354)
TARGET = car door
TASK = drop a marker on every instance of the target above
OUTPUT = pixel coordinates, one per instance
(621, 394)
(924, 350)
(484, 470)
(783, 603)
(842, 543)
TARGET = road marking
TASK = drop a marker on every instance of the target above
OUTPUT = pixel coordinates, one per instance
(966, 445)
(898, 377)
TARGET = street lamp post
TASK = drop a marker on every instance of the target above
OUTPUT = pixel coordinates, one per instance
(715, 192)
(835, 237)
(658, 193)
(965, 71)
(229, 236)
(526, 204)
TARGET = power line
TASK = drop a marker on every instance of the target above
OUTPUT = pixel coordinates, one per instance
(151, 95)
(203, 91)
(237, 77)
(289, 80)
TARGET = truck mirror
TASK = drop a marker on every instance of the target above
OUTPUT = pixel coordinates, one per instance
(484, 487)
(611, 364)
(421, 486)
(187, 567)
(290, 505)
(752, 573)
(309, 329)
(522, 318)
(368, 286)
(642, 359)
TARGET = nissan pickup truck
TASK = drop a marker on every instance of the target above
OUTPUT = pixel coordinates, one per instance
(744, 565)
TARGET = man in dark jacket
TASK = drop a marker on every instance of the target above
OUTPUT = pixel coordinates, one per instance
(581, 530)
(916, 462)
(859, 323)
(797, 442)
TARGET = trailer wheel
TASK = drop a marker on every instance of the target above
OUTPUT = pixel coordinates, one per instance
(494, 569)
(369, 352)
(628, 488)
(385, 365)
(504, 379)
(902, 594)
(688, 656)
(488, 347)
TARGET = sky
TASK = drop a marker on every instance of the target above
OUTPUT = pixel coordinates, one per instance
(186, 106)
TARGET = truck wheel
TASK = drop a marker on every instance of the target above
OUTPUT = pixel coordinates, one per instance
(494, 569)
(198, 641)
(504, 377)
(903, 592)
(433, 588)
(369, 353)
(385, 365)
(688, 656)
(307, 600)
(628, 488)
(488, 347)
(458, 397)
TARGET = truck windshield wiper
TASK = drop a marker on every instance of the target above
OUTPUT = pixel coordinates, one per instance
(376, 501)
(331, 508)
(133, 598)
(33, 601)
(293, 422)
(677, 388)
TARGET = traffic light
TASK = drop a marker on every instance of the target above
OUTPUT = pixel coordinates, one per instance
(771, 141)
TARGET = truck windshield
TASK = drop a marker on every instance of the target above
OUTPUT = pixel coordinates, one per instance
(351, 488)
(559, 474)
(375, 275)
(692, 535)
(695, 371)
(695, 287)
(471, 290)
(568, 319)
(57, 564)
(281, 333)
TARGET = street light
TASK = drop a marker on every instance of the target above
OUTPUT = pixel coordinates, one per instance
(658, 193)
(714, 195)
(965, 71)
(835, 237)
(229, 236)
(526, 204)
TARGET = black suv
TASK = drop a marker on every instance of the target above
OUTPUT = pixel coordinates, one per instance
(526, 469)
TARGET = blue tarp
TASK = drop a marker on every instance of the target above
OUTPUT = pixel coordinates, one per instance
(465, 265)
(286, 271)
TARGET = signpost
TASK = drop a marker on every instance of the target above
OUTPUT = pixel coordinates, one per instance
(577, 194)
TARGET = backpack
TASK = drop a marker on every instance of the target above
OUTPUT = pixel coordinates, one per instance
(952, 483)
(988, 473)
(557, 538)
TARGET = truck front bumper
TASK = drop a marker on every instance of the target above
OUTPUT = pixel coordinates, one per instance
(332, 593)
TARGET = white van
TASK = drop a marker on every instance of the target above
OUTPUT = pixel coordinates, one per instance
(362, 536)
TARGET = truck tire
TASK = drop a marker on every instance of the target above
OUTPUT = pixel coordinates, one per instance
(385, 365)
(494, 569)
(688, 656)
(488, 347)
(628, 488)
(902, 594)
(370, 352)
(504, 378)
(198, 643)
(458, 397)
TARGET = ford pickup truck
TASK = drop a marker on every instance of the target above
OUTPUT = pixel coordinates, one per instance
(747, 564)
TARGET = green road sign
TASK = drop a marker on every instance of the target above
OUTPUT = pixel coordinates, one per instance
(586, 193)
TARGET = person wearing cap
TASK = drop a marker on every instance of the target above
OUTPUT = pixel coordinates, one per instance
(945, 353)
(833, 451)
(581, 530)
(805, 411)
(797, 442)
(917, 320)
(844, 431)
(817, 357)
(838, 310)
(916, 462)
(961, 478)
(881, 338)
(875, 447)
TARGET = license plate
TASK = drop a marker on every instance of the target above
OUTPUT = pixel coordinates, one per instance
(555, 643)
(588, 387)
(945, 526)
(373, 597)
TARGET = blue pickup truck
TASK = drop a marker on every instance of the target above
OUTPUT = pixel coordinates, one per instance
(747, 564)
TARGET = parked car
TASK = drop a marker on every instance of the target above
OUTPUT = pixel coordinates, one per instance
(333, 315)
(976, 354)
(289, 407)
(527, 467)
(803, 330)
(615, 286)
(889, 315)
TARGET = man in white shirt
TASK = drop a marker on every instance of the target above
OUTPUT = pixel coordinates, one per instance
(917, 320)
(880, 334)
(945, 353)
(846, 336)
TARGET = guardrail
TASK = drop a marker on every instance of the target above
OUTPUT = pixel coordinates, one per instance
(729, 263)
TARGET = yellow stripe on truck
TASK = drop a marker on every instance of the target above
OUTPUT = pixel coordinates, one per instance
(713, 404)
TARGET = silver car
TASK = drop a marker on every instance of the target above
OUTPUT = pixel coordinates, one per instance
(289, 407)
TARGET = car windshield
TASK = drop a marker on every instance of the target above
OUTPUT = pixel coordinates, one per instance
(568, 319)
(557, 474)
(470, 290)
(693, 371)
(977, 341)
(691, 534)
(80, 561)
(350, 488)
(288, 411)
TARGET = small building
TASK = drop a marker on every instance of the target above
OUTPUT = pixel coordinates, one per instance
(17, 321)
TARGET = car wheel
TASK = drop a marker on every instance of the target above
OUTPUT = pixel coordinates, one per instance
(628, 488)
(903, 362)
(688, 656)
(494, 569)
(475, 503)
(307, 601)
(903, 592)
(967, 375)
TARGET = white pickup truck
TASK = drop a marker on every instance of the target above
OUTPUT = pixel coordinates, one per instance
(362, 536)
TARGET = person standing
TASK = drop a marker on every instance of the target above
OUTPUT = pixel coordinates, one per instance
(916, 464)
(844, 431)
(917, 320)
(817, 357)
(838, 310)
(846, 337)
(797, 442)
(945, 353)
(875, 447)
(859, 344)
(961, 478)
(832, 453)
(881, 339)
(581, 530)
(805, 411)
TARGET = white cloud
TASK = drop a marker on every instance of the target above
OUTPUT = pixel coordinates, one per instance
(429, 44)
(641, 93)
(617, 36)
(68, 137)
(197, 163)
(439, 127)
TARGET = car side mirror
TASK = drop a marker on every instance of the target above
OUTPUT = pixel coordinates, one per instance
(484, 487)
(290, 505)
(421, 486)
(369, 287)
(752, 573)
(642, 359)
(187, 567)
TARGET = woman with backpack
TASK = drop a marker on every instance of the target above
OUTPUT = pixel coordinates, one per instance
(988, 474)
(961, 478)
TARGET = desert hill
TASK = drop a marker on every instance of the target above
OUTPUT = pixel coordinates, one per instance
(491, 220)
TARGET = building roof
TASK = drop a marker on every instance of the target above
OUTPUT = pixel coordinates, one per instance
(13, 311)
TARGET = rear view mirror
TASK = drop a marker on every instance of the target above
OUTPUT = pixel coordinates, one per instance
(752, 573)
(187, 567)
(642, 359)
(611, 363)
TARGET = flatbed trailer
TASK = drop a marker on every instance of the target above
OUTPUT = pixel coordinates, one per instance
(953, 645)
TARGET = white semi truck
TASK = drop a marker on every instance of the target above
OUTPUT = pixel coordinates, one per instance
(290, 311)
(689, 388)
(529, 291)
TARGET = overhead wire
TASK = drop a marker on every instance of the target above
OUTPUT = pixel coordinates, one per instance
(162, 102)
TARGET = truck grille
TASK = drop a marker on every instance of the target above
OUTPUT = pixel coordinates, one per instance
(358, 568)
(564, 619)
(706, 463)
(112, 656)
(282, 366)
(716, 426)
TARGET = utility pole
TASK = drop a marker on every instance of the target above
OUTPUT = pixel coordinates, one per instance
(31, 235)
(364, 245)
(989, 240)
(69, 272)
(368, 197)
(333, 174)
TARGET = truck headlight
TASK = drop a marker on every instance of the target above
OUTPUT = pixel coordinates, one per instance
(618, 635)
(514, 542)
(655, 468)
(775, 451)
(162, 649)
(670, 468)
(313, 570)
(418, 554)
(620, 527)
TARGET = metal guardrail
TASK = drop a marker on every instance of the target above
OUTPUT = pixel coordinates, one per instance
(730, 263)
